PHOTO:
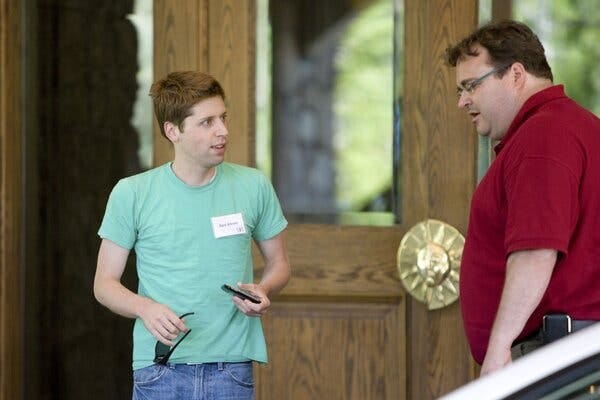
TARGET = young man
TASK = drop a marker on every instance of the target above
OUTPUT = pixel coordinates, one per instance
(191, 223)
(532, 246)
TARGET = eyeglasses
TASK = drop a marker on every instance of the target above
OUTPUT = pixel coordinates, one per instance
(470, 86)
(162, 352)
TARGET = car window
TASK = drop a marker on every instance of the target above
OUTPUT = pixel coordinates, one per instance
(580, 381)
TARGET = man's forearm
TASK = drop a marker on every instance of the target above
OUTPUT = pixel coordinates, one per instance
(527, 276)
(277, 266)
(275, 277)
(117, 298)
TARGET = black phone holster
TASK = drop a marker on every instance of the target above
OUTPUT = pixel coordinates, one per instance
(555, 326)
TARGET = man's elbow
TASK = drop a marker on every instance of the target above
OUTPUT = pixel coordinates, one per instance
(99, 290)
(286, 274)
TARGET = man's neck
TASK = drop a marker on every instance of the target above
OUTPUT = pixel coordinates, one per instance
(193, 175)
(534, 86)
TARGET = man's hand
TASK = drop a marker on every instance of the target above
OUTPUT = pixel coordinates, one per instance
(249, 308)
(495, 359)
(162, 322)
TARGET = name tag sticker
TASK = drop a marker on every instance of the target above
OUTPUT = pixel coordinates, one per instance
(228, 225)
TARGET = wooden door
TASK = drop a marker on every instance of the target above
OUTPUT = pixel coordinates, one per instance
(345, 328)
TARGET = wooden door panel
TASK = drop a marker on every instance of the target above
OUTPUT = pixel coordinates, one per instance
(343, 261)
(324, 350)
(337, 331)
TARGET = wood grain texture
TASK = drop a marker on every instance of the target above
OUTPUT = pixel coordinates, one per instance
(214, 36)
(231, 59)
(342, 261)
(180, 44)
(333, 351)
(439, 165)
(11, 133)
(501, 9)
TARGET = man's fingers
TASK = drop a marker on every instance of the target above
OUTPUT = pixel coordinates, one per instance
(168, 329)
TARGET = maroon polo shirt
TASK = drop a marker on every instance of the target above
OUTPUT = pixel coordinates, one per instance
(542, 191)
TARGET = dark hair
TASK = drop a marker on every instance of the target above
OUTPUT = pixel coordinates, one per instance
(178, 92)
(507, 42)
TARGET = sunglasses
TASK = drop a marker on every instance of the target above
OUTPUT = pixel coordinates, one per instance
(162, 352)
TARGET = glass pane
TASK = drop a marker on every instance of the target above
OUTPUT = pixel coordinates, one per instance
(583, 388)
(142, 112)
(484, 147)
(570, 33)
(326, 107)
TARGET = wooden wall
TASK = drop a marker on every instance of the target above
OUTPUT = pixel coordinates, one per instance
(184, 39)
(11, 211)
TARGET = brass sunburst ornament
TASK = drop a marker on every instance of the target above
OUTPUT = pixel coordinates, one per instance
(429, 261)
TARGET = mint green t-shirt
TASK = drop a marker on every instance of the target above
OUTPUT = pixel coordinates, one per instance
(184, 256)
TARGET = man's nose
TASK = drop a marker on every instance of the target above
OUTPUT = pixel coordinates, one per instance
(464, 99)
(222, 128)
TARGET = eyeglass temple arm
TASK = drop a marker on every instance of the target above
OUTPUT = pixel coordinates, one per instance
(166, 357)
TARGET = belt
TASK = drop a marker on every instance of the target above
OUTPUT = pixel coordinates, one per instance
(580, 324)
(556, 326)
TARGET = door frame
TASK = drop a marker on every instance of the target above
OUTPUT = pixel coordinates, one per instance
(11, 196)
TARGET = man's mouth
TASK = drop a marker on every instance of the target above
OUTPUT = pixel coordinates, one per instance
(219, 146)
(473, 115)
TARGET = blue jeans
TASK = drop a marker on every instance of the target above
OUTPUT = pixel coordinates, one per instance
(210, 381)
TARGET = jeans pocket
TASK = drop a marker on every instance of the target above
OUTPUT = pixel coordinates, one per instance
(149, 375)
(241, 373)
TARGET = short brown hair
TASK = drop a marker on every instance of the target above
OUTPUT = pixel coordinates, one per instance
(507, 42)
(178, 92)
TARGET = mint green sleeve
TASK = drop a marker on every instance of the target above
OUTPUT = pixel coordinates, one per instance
(271, 220)
(118, 224)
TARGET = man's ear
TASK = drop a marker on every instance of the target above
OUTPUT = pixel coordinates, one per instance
(171, 131)
(519, 74)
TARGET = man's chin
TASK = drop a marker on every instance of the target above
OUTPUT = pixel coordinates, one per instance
(483, 130)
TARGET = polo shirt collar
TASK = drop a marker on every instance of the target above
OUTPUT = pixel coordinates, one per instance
(542, 97)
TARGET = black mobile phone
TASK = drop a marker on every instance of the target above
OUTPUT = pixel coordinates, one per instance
(242, 294)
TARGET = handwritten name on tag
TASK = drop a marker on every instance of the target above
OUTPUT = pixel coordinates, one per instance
(228, 225)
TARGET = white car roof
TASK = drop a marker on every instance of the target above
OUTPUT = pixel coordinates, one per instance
(533, 367)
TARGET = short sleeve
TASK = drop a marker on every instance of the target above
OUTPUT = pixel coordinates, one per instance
(118, 224)
(271, 220)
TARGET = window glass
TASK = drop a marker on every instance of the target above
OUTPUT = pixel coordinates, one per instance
(142, 113)
(570, 33)
(325, 107)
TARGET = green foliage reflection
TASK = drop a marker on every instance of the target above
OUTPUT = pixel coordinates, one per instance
(570, 33)
(363, 98)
